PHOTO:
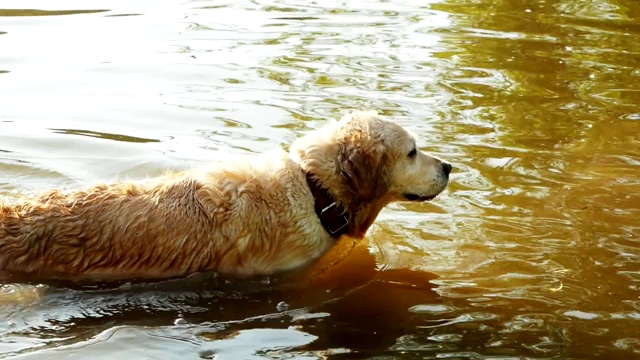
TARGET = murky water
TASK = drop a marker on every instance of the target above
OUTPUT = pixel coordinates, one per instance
(533, 251)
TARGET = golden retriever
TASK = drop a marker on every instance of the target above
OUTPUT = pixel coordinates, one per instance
(263, 215)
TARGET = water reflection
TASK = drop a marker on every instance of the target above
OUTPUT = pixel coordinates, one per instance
(37, 12)
(532, 252)
(116, 137)
(557, 132)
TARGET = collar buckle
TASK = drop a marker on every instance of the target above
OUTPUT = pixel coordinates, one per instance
(327, 224)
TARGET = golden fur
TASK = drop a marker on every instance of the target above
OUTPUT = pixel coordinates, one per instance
(250, 217)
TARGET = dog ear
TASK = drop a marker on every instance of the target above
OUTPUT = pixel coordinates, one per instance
(361, 170)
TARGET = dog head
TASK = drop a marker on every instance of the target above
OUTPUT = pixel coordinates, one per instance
(366, 158)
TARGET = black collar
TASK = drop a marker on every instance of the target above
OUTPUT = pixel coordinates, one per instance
(334, 218)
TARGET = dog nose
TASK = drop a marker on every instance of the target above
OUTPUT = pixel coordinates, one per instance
(446, 167)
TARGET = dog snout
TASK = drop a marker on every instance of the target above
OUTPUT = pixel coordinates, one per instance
(446, 167)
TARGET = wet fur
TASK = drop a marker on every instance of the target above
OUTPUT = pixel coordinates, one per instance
(252, 216)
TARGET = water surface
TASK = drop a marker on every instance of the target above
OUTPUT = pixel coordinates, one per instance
(532, 252)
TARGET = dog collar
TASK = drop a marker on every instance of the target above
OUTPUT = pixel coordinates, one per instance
(334, 218)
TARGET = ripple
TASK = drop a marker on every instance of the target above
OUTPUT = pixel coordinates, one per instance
(101, 135)
(582, 315)
(534, 243)
(431, 309)
(446, 338)
(464, 318)
(37, 12)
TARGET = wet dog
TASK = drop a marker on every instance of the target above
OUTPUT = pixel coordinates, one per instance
(256, 216)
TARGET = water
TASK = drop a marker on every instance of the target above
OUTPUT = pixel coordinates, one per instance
(532, 252)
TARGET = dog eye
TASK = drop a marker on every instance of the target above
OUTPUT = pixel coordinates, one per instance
(412, 153)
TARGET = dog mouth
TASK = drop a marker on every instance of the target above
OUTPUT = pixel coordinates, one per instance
(416, 197)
